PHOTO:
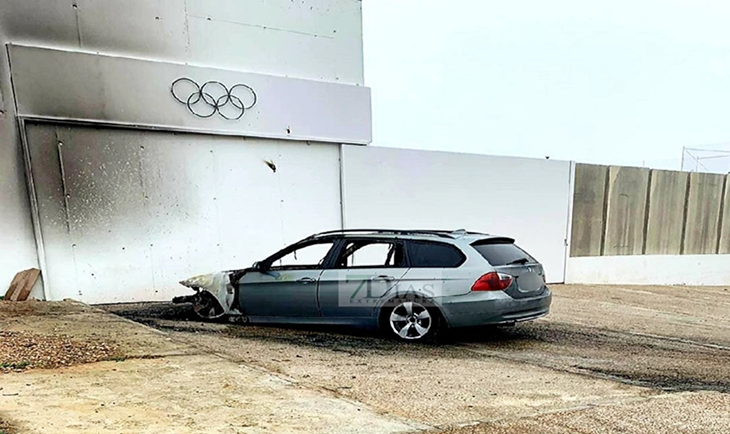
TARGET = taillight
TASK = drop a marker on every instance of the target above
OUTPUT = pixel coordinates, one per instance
(492, 282)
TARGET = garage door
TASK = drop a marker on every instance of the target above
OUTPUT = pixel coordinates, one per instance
(126, 214)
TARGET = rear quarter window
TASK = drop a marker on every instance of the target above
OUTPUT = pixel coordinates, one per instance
(501, 252)
(426, 254)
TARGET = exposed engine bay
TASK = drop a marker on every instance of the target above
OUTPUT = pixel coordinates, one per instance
(215, 294)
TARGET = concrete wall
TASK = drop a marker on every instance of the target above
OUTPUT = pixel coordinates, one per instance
(665, 222)
(527, 199)
(658, 227)
(724, 246)
(650, 270)
(703, 213)
(640, 211)
(589, 198)
(625, 210)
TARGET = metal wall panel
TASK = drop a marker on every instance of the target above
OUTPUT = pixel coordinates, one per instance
(527, 199)
(126, 214)
(18, 250)
(149, 29)
(275, 15)
(137, 92)
(303, 39)
(312, 39)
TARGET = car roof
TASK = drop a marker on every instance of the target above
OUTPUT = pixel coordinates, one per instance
(419, 234)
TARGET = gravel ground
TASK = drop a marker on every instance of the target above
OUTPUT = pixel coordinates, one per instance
(696, 413)
(6, 428)
(21, 350)
(607, 359)
(602, 356)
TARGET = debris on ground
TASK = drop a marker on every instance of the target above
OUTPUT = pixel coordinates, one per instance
(6, 428)
(22, 285)
(21, 350)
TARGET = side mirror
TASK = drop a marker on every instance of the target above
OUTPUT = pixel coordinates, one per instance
(263, 268)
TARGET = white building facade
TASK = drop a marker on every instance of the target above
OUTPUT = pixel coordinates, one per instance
(115, 187)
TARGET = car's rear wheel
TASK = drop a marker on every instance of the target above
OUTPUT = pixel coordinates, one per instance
(411, 319)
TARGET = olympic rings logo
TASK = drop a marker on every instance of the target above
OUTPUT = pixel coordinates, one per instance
(213, 97)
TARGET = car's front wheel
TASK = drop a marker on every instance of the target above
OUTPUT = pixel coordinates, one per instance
(207, 307)
(411, 319)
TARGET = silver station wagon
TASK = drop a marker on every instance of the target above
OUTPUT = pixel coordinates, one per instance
(408, 283)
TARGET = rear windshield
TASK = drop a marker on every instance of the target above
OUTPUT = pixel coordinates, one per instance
(502, 252)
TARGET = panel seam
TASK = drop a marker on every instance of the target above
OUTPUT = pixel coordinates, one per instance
(721, 216)
(645, 229)
(682, 245)
(604, 219)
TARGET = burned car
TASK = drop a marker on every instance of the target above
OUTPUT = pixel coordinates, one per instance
(408, 283)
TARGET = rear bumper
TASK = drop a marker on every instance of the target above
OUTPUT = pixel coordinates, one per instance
(483, 308)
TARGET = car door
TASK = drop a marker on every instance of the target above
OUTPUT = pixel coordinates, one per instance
(363, 270)
(287, 284)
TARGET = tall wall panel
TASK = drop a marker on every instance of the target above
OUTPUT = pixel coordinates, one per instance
(126, 214)
(627, 195)
(527, 199)
(18, 250)
(317, 39)
(665, 220)
(703, 213)
(588, 206)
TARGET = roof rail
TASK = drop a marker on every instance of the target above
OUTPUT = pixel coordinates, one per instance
(438, 233)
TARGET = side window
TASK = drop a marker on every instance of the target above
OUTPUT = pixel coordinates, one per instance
(309, 256)
(371, 254)
(426, 254)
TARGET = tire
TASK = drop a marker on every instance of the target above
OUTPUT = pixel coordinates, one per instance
(411, 319)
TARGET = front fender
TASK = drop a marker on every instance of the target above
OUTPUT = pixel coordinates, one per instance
(218, 285)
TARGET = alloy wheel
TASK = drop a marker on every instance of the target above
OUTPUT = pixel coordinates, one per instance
(410, 320)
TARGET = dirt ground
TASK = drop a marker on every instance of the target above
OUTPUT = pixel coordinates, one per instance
(158, 384)
(632, 359)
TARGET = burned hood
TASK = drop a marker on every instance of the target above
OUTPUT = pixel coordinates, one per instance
(207, 281)
(213, 280)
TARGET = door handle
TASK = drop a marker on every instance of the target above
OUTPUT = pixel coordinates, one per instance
(306, 280)
(382, 277)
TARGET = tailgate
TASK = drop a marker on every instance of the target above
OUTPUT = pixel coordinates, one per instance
(506, 257)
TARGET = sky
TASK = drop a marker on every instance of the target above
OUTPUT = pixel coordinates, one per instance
(619, 82)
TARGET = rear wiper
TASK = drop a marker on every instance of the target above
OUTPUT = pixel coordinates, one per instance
(518, 261)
